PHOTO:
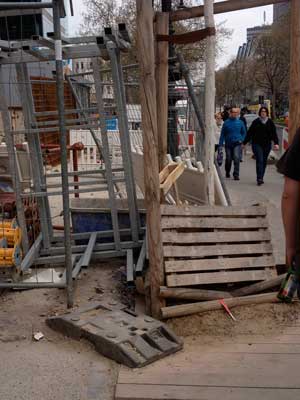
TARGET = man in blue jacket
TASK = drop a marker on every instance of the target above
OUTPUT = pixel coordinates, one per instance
(233, 133)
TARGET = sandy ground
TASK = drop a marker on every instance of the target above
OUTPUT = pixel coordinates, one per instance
(217, 326)
(56, 367)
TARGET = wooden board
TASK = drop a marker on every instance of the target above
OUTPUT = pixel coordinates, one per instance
(215, 237)
(132, 391)
(216, 250)
(219, 264)
(236, 240)
(217, 223)
(237, 370)
(205, 211)
(205, 278)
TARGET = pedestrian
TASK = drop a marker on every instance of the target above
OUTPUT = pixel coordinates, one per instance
(243, 119)
(289, 166)
(218, 128)
(262, 133)
(225, 113)
(233, 134)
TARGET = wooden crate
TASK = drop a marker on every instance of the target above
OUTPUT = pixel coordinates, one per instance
(215, 245)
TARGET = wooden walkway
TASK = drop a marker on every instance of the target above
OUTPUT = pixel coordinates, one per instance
(251, 367)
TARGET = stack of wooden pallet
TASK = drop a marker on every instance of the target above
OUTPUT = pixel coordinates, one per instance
(211, 252)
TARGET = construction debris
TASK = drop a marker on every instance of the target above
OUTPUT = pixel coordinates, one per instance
(118, 333)
(192, 308)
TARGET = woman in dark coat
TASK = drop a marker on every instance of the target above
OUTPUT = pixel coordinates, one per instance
(262, 133)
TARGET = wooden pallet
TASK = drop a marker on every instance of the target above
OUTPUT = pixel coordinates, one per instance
(214, 245)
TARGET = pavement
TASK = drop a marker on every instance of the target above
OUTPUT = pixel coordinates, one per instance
(246, 192)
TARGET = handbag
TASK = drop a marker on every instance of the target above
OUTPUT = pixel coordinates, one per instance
(220, 156)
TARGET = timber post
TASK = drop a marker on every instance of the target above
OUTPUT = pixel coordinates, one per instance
(209, 105)
(294, 113)
(161, 75)
(145, 43)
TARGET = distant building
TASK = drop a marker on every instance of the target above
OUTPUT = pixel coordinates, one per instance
(253, 33)
(279, 10)
(26, 24)
(247, 49)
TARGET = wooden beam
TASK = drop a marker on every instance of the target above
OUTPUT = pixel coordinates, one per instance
(145, 45)
(294, 113)
(259, 287)
(210, 91)
(221, 7)
(193, 308)
(161, 76)
(192, 294)
(186, 38)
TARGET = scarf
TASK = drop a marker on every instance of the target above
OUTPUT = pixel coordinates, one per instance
(264, 120)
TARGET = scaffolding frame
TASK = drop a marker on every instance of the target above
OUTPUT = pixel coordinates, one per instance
(49, 248)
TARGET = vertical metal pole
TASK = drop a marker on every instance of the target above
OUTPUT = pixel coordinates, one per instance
(64, 154)
(85, 115)
(120, 98)
(39, 182)
(105, 147)
(9, 140)
(199, 134)
(75, 168)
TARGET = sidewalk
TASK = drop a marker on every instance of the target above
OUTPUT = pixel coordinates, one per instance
(246, 192)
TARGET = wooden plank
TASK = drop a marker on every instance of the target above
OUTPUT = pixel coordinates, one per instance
(192, 294)
(220, 7)
(165, 172)
(171, 178)
(237, 370)
(259, 287)
(215, 237)
(204, 278)
(219, 264)
(216, 250)
(204, 211)
(220, 223)
(131, 391)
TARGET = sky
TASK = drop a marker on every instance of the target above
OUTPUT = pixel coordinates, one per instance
(238, 21)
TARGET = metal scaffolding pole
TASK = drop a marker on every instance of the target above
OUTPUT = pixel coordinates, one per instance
(35, 152)
(63, 144)
(105, 146)
(119, 92)
(23, 5)
(199, 134)
(9, 140)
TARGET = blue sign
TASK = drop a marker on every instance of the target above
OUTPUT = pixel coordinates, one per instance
(112, 124)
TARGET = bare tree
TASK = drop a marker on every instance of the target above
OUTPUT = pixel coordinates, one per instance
(271, 63)
(267, 69)
(102, 13)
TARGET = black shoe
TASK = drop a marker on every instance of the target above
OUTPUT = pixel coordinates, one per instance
(227, 175)
(259, 183)
(236, 178)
